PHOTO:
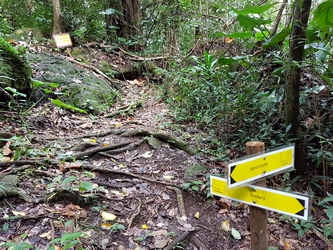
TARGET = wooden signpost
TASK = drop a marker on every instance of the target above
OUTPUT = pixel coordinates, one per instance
(238, 187)
(63, 41)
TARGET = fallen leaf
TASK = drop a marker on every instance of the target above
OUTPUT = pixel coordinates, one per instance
(6, 150)
(45, 235)
(17, 213)
(148, 154)
(235, 234)
(286, 245)
(93, 140)
(106, 225)
(159, 232)
(225, 225)
(168, 177)
(161, 244)
(108, 216)
(197, 215)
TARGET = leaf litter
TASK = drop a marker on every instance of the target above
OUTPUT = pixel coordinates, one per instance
(120, 199)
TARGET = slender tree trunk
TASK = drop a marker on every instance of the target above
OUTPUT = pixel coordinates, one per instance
(293, 77)
(278, 18)
(58, 26)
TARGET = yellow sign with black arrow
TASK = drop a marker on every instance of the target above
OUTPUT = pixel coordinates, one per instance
(286, 203)
(253, 168)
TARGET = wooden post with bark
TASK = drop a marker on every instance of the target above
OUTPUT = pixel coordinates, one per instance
(258, 216)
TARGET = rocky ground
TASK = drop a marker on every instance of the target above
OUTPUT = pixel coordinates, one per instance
(130, 178)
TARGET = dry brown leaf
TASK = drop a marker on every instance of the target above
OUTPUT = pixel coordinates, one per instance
(17, 213)
(286, 245)
(225, 225)
(224, 203)
(6, 150)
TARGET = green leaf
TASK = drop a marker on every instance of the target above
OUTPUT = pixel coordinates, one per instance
(251, 22)
(247, 34)
(68, 223)
(70, 236)
(323, 15)
(68, 180)
(276, 38)
(111, 12)
(235, 234)
(86, 186)
(229, 60)
(67, 106)
(254, 9)
(71, 244)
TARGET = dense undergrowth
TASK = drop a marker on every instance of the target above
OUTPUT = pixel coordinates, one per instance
(234, 91)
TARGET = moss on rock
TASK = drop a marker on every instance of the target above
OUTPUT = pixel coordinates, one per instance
(14, 70)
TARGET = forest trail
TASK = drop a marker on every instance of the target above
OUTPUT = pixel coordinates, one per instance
(127, 179)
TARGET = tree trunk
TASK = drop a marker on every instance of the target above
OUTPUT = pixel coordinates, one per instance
(58, 26)
(293, 77)
(129, 24)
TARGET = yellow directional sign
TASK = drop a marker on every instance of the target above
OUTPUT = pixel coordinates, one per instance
(286, 203)
(253, 168)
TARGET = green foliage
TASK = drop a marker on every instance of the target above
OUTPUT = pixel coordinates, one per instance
(327, 203)
(37, 14)
(68, 240)
(302, 226)
(67, 106)
(5, 27)
(117, 227)
(194, 185)
(323, 16)
(14, 68)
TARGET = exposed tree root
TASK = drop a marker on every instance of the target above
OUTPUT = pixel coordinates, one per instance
(136, 213)
(176, 142)
(180, 238)
(15, 191)
(180, 201)
(96, 150)
(124, 110)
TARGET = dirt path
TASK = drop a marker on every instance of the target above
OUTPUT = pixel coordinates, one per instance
(119, 183)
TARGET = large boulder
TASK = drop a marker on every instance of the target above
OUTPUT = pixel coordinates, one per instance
(77, 86)
(14, 71)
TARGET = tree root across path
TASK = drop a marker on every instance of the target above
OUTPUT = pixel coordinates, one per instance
(178, 143)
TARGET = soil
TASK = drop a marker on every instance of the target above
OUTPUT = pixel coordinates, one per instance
(99, 182)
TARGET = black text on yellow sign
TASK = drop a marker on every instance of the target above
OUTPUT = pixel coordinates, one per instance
(63, 40)
(286, 203)
(253, 168)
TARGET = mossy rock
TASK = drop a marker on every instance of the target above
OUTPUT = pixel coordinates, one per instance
(79, 87)
(27, 34)
(14, 71)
